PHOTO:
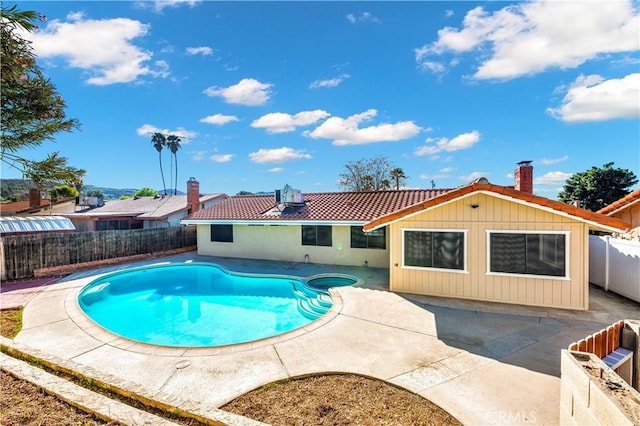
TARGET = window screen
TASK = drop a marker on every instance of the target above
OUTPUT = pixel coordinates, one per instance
(313, 235)
(222, 233)
(432, 249)
(531, 254)
(374, 239)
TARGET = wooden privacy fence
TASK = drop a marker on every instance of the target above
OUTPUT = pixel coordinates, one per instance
(23, 254)
(610, 345)
(601, 343)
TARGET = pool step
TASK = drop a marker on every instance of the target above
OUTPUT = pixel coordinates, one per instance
(308, 313)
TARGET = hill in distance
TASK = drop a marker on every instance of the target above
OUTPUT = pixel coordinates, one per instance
(21, 187)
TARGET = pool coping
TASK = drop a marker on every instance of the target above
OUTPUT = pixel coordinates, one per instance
(92, 328)
(422, 344)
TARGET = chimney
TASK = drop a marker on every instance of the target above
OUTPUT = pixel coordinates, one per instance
(193, 194)
(34, 198)
(524, 177)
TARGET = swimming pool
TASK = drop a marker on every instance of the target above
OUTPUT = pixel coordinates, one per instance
(201, 305)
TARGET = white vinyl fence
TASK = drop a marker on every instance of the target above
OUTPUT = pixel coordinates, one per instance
(614, 265)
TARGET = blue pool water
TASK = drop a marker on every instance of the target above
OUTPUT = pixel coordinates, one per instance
(197, 305)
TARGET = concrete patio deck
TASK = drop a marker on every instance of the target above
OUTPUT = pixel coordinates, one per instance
(484, 363)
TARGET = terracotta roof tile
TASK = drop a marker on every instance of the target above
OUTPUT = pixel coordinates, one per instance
(319, 206)
(560, 207)
(623, 202)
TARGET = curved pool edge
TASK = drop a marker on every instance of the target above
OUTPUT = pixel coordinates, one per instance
(98, 332)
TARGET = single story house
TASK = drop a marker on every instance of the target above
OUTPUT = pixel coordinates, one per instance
(480, 241)
(144, 212)
(36, 205)
(628, 209)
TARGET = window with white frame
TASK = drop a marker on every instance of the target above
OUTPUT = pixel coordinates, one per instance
(528, 253)
(441, 249)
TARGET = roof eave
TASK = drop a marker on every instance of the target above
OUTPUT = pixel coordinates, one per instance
(271, 222)
(616, 225)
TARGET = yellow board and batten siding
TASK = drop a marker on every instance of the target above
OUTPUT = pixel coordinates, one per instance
(493, 214)
(284, 243)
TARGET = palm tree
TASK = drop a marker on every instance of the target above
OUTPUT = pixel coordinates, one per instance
(159, 141)
(385, 184)
(173, 143)
(398, 175)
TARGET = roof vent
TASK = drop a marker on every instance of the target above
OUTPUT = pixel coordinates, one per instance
(289, 196)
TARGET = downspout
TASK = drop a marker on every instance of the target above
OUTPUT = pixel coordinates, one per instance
(606, 262)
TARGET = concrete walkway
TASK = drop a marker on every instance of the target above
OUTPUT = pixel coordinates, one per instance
(484, 363)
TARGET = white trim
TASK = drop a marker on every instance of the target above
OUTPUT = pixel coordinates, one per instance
(462, 197)
(464, 232)
(550, 210)
(567, 252)
(270, 222)
(503, 197)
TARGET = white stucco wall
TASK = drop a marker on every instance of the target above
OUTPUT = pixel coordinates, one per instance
(284, 243)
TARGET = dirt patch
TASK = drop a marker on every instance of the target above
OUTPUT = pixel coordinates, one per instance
(337, 399)
(340, 399)
(10, 322)
(24, 404)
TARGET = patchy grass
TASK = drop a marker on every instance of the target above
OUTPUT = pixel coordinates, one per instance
(24, 404)
(335, 399)
(10, 322)
(338, 399)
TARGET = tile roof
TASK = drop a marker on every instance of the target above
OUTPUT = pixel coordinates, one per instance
(146, 207)
(597, 219)
(319, 206)
(24, 207)
(622, 203)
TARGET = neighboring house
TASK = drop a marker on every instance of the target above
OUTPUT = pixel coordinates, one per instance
(480, 241)
(36, 205)
(145, 212)
(628, 209)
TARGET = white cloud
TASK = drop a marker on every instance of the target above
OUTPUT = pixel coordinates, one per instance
(246, 92)
(197, 155)
(552, 178)
(362, 17)
(279, 122)
(474, 176)
(442, 174)
(277, 155)
(276, 170)
(345, 131)
(221, 158)
(460, 142)
(160, 5)
(531, 37)
(333, 82)
(202, 50)
(549, 161)
(435, 176)
(150, 129)
(104, 48)
(592, 98)
(219, 119)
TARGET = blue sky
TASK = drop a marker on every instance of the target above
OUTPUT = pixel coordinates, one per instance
(267, 93)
